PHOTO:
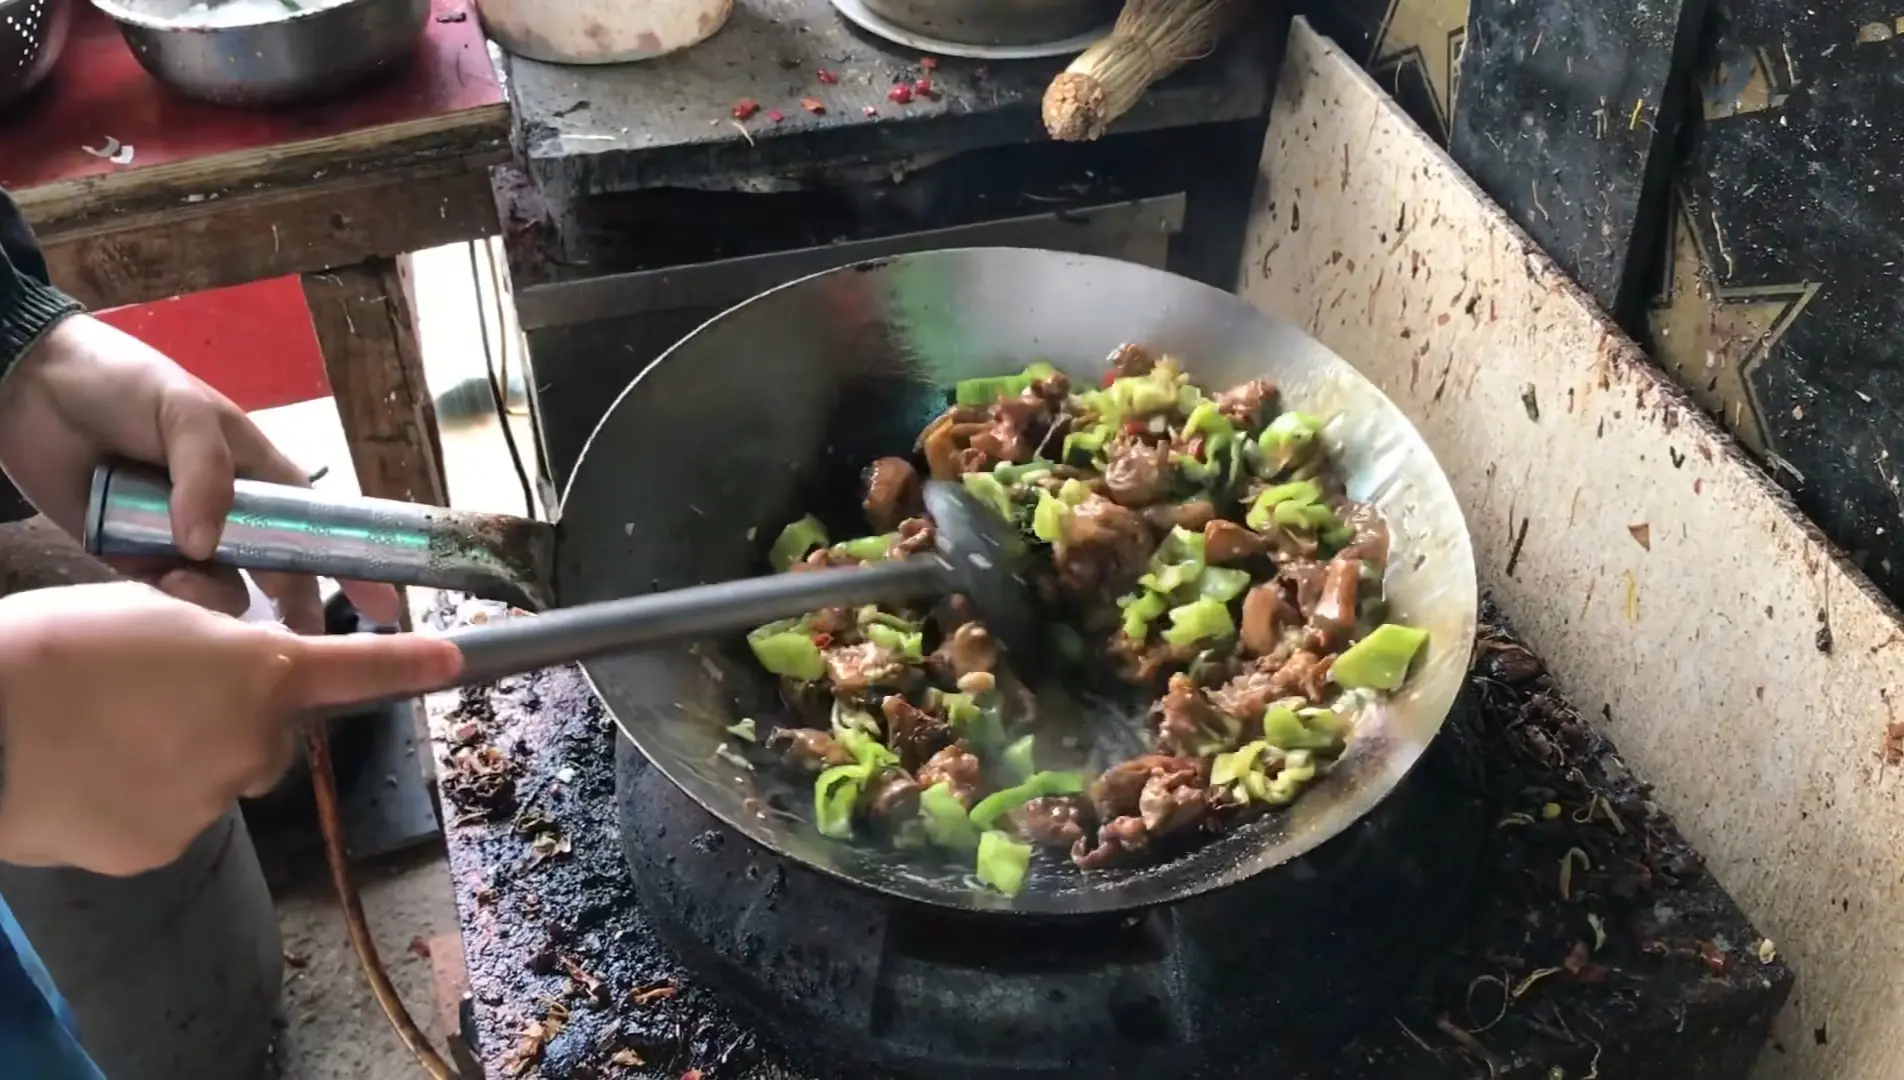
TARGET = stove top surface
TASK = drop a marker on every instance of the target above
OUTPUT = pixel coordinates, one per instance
(1519, 907)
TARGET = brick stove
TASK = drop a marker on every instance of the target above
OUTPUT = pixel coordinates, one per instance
(1519, 908)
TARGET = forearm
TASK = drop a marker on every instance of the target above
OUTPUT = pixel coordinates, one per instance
(29, 304)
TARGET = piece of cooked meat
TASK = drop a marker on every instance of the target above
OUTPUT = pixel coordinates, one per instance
(1369, 533)
(1139, 472)
(1184, 720)
(1225, 542)
(1104, 547)
(1304, 674)
(1304, 580)
(852, 668)
(1127, 360)
(1267, 612)
(1196, 515)
(1143, 663)
(823, 559)
(1334, 618)
(1120, 842)
(808, 749)
(1116, 790)
(892, 796)
(972, 648)
(1052, 820)
(911, 732)
(834, 622)
(892, 493)
(1246, 696)
(1172, 801)
(916, 534)
(1243, 404)
(946, 443)
(957, 768)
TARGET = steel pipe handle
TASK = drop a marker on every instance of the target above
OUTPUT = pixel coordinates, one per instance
(276, 527)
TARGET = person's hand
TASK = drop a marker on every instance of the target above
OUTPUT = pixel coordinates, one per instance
(88, 392)
(130, 720)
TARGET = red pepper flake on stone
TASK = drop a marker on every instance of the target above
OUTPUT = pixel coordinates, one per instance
(827, 77)
(900, 94)
(923, 86)
(813, 105)
(928, 62)
(776, 115)
(870, 111)
(745, 108)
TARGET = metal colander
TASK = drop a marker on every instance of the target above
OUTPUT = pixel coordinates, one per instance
(32, 33)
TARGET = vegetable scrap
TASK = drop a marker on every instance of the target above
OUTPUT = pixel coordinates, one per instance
(775, 115)
(813, 105)
(826, 77)
(646, 995)
(922, 87)
(900, 94)
(1202, 541)
(745, 108)
(928, 63)
(1592, 900)
(114, 151)
(534, 1040)
(481, 782)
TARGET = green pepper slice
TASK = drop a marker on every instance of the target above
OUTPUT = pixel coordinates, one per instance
(1379, 661)
(1199, 620)
(795, 541)
(1037, 786)
(1003, 862)
(946, 822)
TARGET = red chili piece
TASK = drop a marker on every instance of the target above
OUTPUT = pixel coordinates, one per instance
(928, 62)
(828, 77)
(923, 86)
(1109, 378)
(775, 115)
(870, 111)
(900, 94)
(822, 639)
(813, 105)
(745, 108)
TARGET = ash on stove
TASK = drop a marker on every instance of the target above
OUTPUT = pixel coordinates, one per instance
(1518, 909)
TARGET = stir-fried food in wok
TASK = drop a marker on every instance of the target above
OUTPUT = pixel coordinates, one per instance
(1196, 542)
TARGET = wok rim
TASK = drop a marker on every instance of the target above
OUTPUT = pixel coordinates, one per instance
(1146, 887)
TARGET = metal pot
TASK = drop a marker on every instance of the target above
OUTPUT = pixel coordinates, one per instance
(32, 36)
(996, 23)
(770, 410)
(302, 56)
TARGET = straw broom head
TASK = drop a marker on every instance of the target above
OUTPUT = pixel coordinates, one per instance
(1152, 39)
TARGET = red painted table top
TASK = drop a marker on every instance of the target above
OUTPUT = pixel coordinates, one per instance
(100, 91)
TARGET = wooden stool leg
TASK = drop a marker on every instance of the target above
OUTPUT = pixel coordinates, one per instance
(365, 326)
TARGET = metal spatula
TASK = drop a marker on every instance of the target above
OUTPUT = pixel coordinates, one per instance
(977, 555)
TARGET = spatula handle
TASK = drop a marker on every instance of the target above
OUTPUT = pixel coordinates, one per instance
(565, 635)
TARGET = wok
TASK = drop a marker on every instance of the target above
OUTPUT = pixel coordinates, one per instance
(771, 409)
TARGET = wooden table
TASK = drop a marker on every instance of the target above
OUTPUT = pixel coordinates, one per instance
(334, 193)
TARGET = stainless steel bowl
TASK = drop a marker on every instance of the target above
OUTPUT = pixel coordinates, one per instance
(32, 36)
(996, 23)
(301, 56)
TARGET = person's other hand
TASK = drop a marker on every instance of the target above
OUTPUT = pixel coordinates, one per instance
(130, 720)
(88, 392)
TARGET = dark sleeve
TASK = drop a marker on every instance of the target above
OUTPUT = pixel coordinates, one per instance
(29, 304)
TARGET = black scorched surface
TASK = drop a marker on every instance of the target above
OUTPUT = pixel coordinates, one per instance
(1599, 944)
